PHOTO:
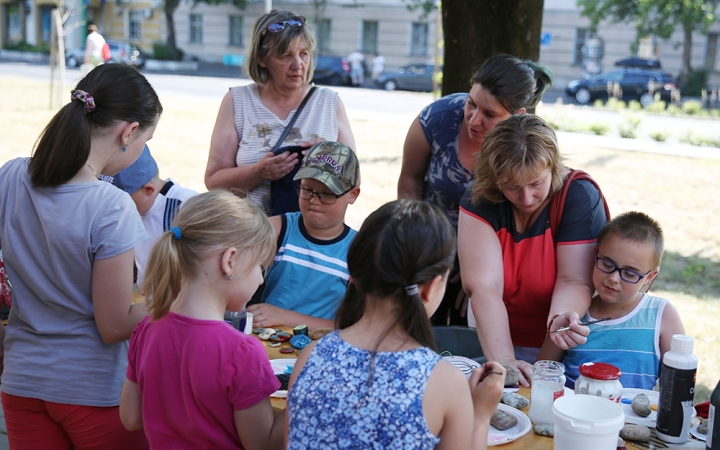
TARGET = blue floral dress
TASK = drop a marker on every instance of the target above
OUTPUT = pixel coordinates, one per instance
(446, 179)
(336, 404)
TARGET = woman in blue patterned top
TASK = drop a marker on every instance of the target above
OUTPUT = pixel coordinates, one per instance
(377, 383)
(442, 143)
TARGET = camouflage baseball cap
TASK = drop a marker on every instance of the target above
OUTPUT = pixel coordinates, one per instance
(332, 163)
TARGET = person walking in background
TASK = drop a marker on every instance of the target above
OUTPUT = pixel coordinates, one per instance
(94, 44)
(378, 65)
(356, 60)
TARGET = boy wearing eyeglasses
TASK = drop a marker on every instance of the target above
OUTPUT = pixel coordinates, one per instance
(627, 260)
(309, 277)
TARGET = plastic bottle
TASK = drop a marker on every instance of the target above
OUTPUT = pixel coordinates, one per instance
(677, 389)
(713, 432)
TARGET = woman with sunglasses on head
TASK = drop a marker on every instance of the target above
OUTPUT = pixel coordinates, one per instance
(252, 118)
(527, 272)
(67, 241)
(443, 142)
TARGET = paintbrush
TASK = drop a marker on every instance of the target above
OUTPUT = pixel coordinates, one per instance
(589, 322)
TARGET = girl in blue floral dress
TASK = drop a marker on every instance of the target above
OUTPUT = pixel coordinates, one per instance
(377, 383)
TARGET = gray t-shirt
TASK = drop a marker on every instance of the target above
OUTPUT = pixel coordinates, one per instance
(50, 238)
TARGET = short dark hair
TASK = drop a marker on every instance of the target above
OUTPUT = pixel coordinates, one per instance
(515, 83)
(403, 243)
(263, 43)
(637, 227)
(121, 93)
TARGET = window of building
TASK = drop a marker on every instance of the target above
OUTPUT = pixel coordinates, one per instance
(649, 47)
(419, 39)
(369, 36)
(323, 36)
(236, 31)
(712, 52)
(196, 29)
(134, 25)
(581, 36)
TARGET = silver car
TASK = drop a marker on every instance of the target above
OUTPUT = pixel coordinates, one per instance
(120, 53)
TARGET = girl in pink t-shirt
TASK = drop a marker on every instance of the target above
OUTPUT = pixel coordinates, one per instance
(193, 381)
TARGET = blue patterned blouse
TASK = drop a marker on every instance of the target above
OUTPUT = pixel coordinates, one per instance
(334, 404)
(446, 179)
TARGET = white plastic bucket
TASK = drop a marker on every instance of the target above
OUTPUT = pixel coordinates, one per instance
(586, 422)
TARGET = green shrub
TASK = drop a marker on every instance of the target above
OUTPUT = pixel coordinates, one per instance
(615, 104)
(42, 47)
(599, 104)
(674, 110)
(659, 135)
(692, 107)
(696, 81)
(693, 139)
(162, 52)
(599, 128)
(658, 106)
(629, 127)
(634, 105)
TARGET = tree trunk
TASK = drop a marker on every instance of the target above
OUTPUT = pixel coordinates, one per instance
(170, 7)
(686, 54)
(478, 29)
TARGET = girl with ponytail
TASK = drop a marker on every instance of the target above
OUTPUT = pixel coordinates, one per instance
(193, 381)
(377, 380)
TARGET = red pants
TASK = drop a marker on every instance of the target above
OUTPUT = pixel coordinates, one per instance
(37, 424)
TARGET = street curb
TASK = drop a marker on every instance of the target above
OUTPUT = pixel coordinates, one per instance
(13, 55)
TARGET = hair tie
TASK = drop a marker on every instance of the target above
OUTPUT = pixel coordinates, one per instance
(84, 97)
(412, 289)
(176, 232)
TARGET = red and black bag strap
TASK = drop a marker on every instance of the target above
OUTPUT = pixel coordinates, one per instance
(557, 204)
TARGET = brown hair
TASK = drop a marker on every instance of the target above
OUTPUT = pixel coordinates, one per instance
(636, 227)
(264, 43)
(518, 148)
(515, 83)
(121, 93)
(403, 243)
(210, 222)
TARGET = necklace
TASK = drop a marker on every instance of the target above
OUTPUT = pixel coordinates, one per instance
(93, 170)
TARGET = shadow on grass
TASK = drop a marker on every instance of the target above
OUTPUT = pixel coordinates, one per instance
(693, 275)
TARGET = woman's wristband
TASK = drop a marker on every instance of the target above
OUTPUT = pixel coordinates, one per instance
(552, 319)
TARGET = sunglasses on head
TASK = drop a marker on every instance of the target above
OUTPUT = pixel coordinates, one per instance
(293, 22)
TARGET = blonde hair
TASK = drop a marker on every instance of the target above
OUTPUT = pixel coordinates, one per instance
(210, 222)
(519, 148)
(264, 43)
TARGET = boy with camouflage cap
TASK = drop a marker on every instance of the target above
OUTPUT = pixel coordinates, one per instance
(308, 279)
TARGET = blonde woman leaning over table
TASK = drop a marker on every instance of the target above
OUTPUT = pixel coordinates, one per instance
(252, 118)
(67, 241)
(517, 275)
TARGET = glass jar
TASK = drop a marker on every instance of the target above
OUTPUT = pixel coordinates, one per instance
(548, 384)
(599, 379)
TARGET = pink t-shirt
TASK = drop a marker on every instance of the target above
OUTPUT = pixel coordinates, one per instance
(192, 375)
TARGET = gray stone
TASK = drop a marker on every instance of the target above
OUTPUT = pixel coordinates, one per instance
(511, 377)
(637, 433)
(544, 429)
(641, 405)
(503, 420)
(702, 428)
(620, 442)
(514, 400)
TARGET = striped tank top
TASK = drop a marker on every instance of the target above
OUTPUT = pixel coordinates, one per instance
(259, 129)
(631, 343)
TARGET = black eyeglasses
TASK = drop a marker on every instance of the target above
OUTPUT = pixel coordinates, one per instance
(293, 22)
(326, 198)
(627, 275)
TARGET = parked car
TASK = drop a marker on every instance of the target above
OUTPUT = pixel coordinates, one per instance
(413, 77)
(634, 84)
(332, 70)
(638, 63)
(121, 53)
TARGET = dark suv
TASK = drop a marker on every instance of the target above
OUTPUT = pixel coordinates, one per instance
(634, 83)
(332, 70)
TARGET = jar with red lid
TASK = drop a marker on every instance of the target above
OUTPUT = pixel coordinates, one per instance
(599, 379)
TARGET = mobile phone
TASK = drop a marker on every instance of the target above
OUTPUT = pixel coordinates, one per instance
(290, 148)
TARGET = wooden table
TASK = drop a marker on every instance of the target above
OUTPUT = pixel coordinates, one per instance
(529, 441)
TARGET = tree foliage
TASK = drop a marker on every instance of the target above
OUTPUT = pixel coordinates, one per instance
(656, 17)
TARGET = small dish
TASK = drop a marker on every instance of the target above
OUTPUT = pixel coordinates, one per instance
(282, 365)
(694, 431)
(497, 437)
(631, 417)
